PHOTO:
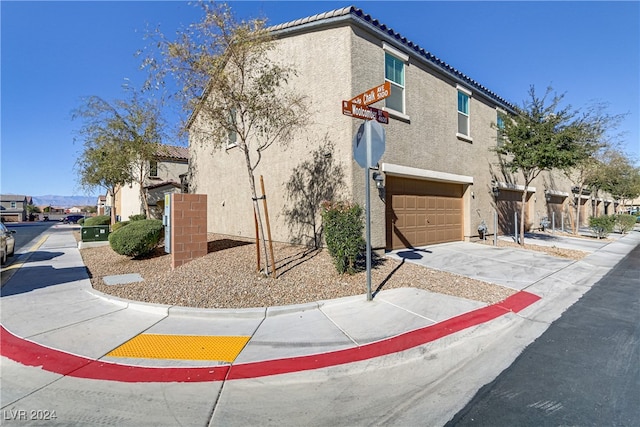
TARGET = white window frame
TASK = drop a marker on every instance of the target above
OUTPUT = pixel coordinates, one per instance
(403, 57)
(499, 139)
(152, 175)
(14, 205)
(230, 143)
(466, 137)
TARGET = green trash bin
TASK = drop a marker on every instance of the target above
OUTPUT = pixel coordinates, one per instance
(95, 233)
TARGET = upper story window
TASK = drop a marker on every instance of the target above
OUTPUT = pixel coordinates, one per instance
(153, 168)
(394, 73)
(232, 135)
(13, 205)
(464, 97)
(500, 128)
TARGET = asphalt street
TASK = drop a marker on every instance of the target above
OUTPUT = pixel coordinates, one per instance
(583, 371)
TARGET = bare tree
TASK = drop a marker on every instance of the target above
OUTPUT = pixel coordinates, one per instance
(228, 81)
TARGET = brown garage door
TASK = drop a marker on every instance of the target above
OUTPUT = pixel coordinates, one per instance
(420, 213)
(508, 203)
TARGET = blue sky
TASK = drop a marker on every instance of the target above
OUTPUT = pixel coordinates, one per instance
(55, 53)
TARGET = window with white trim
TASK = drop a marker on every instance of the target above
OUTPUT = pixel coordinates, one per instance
(500, 128)
(232, 135)
(153, 168)
(13, 205)
(394, 74)
(394, 71)
(463, 112)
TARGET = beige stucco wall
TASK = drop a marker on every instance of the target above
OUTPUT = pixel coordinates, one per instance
(335, 64)
(322, 63)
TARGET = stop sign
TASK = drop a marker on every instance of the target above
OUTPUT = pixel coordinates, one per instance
(369, 144)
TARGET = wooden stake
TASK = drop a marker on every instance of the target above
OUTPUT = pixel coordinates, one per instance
(255, 220)
(266, 218)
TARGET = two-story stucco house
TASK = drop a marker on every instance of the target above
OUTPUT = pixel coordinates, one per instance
(13, 207)
(438, 177)
(163, 177)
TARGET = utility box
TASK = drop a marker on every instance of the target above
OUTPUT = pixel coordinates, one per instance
(95, 233)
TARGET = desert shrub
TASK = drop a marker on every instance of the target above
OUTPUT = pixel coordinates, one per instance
(118, 225)
(97, 220)
(625, 223)
(137, 238)
(81, 221)
(342, 224)
(138, 217)
(602, 225)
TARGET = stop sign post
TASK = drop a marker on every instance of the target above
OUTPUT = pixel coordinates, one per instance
(368, 148)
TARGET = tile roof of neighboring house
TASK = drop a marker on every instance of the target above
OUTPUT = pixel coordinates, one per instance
(12, 197)
(163, 184)
(173, 152)
(359, 17)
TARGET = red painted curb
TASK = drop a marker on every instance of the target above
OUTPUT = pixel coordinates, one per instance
(405, 341)
(32, 354)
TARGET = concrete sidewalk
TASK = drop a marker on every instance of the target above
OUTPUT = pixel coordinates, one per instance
(52, 317)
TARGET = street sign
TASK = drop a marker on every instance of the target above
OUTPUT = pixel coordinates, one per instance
(369, 144)
(364, 112)
(373, 95)
(368, 148)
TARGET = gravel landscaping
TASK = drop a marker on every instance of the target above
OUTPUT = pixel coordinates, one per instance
(227, 278)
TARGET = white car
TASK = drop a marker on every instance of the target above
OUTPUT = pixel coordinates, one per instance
(7, 243)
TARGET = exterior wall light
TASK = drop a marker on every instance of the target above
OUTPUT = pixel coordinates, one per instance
(379, 179)
(547, 195)
(495, 189)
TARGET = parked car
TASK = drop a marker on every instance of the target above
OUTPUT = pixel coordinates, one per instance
(7, 243)
(71, 219)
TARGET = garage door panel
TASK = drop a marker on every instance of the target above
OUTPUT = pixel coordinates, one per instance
(398, 201)
(410, 220)
(410, 202)
(423, 212)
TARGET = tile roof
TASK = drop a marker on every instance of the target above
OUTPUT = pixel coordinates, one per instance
(360, 17)
(163, 184)
(173, 152)
(12, 197)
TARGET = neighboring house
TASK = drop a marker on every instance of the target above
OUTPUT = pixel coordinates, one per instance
(13, 207)
(75, 209)
(439, 178)
(163, 176)
(101, 205)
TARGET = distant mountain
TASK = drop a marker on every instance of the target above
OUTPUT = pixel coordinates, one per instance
(64, 201)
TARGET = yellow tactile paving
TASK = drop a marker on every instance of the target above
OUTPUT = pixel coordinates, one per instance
(182, 347)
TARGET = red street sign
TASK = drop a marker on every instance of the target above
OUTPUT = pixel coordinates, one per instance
(373, 95)
(364, 112)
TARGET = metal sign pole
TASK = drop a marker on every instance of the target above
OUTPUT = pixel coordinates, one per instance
(367, 195)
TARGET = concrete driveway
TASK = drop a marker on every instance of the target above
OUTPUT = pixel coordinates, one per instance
(511, 267)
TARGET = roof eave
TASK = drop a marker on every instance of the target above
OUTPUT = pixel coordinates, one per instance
(353, 15)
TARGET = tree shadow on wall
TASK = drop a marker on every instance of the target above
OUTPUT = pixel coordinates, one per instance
(312, 181)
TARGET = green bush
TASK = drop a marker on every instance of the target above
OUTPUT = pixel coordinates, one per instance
(81, 221)
(97, 220)
(119, 225)
(625, 223)
(138, 217)
(137, 238)
(602, 225)
(342, 223)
